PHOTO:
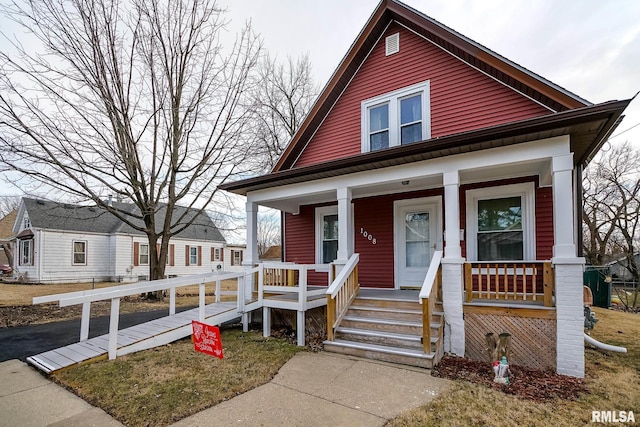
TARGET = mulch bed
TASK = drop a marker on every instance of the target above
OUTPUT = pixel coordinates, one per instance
(525, 383)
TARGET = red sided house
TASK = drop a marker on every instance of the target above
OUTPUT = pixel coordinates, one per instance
(443, 183)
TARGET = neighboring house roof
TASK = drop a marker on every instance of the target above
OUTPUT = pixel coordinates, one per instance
(507, 72)
(6, 225)
(50, 215)
(274, 252)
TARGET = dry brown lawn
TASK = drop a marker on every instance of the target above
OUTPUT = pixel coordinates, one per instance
(16, 308)
(613, 381)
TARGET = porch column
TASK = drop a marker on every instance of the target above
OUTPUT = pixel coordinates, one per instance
(345, 225)
(250, 260)
(252, 235)
(568, 272)
(452, 268)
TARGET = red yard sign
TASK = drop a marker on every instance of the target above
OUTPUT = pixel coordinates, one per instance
(206, 339)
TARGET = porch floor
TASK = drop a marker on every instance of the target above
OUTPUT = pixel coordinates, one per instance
(390, 294)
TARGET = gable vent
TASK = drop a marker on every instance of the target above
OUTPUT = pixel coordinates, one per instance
(393, 44)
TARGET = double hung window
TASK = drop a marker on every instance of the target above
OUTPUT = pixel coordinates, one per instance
(79, 252)
(501, 223)
(326, 234)
(399, 117)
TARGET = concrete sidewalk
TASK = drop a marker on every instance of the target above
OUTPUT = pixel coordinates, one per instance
(327, 389)
(29, 399)
(311, 389)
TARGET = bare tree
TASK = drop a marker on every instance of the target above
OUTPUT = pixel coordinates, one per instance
(138, 99)
(268, 231)
(8, 204)
(611, 209)
(284, 98)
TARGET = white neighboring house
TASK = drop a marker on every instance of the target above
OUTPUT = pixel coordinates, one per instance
(59, 242)
(234, 255)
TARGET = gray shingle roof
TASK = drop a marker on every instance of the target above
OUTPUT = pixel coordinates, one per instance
(45, 214)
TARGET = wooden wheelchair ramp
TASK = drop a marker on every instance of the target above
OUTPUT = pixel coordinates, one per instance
(136, 338)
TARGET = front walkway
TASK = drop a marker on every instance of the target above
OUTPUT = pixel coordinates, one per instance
(326, 389)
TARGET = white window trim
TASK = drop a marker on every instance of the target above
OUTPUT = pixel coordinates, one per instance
(191, 255)
(21, 252)
(393, 99)
(527, 192)
(320, 214)
(216, 253)
(73, 252)
(140, 245)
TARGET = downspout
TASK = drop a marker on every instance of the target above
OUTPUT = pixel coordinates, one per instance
(283, 248)
(579, 208)
(39, 264)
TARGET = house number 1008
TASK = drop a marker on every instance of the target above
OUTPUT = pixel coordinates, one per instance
(368, 236)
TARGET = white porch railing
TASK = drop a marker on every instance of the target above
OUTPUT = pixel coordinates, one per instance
(116, 292)
(341, 293)
(431, 287)
(285, 286)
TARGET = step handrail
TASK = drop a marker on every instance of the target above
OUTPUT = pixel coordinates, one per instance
(341, 292)
(427, 297)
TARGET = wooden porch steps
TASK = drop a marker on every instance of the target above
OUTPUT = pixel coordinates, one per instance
(405, 356)
(388, 327)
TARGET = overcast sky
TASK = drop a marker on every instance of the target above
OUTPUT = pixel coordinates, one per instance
(589, 47)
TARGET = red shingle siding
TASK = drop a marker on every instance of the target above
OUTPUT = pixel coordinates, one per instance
(300, 241)
(462, 98)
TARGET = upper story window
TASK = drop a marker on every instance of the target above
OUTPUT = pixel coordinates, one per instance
(395, 118)
(26, 222)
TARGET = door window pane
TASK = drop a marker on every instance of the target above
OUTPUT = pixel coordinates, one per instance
(417, 239)
(500, 235)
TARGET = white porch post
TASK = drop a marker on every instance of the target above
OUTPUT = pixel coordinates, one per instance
(345, 227)
(251, 258)
(568, 272)
(252, 235)
(452, 268)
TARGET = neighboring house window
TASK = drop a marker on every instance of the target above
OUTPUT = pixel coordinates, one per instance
(216, 254)
(399, 117)
(26, 252)
(236, 257)
(26, 222)
(193, 255)
(326, 234)
(144, 254)
(501, 223)
(79, 252)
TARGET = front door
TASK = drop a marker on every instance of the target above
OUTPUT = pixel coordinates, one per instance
(417, 234)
